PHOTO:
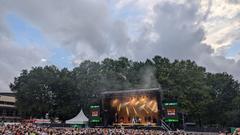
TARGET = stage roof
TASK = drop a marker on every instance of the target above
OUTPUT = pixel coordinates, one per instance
(131, 91)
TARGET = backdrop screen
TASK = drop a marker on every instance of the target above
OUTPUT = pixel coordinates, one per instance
(135, 109)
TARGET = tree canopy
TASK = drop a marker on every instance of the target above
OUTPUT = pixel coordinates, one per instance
(206, 98)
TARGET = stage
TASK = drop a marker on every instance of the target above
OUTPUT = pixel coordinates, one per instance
(140, 107)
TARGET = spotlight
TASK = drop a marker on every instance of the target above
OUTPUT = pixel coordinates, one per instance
(143, 99)
(119, 107)
(137, 103)
(127, 111)
(132, 102)
(114, 102)
(142, 106)
(153, 108)
(134, 110)
(146, 110)
(126, 103)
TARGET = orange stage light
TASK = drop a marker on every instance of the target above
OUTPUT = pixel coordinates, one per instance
(115, 102)
(126, 103)
(146, 110)
(127, 111)
(135, 111)
(119, 107)
(142, 106)
(133, 100)
(129, 107)
(137, 103)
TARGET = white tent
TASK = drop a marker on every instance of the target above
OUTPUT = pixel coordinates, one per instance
(79, 119)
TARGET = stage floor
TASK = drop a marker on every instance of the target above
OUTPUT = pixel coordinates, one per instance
(135, 124)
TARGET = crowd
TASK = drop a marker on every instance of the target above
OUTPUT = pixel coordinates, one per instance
(29, 129)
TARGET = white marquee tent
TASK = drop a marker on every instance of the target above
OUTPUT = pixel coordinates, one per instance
(79, 119)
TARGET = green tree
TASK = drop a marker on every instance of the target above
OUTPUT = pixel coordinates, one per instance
(34, 90)
(87, 79)
(206, 98)
(185, 81)
(66, 100)
(225, 92)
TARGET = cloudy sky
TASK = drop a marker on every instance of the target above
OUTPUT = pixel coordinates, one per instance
(64, 33)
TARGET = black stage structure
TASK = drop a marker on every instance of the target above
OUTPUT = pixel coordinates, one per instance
(138, 107)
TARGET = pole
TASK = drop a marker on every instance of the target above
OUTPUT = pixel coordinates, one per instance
(183, 120)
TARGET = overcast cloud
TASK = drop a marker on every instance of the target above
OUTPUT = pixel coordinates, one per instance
(14, 58)
(93, 29)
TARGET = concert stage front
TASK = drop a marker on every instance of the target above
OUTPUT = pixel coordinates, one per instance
(139, 107)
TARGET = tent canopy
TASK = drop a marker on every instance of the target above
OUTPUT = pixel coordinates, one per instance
(79, 119)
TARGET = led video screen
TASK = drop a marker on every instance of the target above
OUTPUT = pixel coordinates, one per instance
(135, 109)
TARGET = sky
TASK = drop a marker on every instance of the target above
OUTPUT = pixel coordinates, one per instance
(65, 33)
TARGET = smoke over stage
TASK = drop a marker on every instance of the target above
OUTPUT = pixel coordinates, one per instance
(132, 107)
